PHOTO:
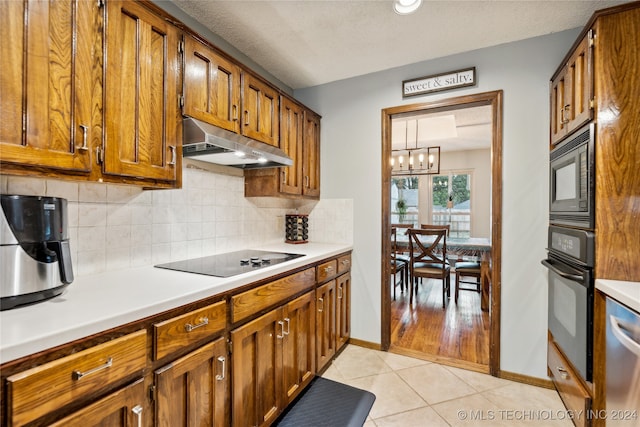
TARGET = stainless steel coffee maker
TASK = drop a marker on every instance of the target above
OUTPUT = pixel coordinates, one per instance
(35, 260)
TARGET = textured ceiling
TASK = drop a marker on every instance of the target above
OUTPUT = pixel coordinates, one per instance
(306, 43)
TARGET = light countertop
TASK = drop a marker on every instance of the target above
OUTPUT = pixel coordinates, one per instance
(627, 293)
(95, 303)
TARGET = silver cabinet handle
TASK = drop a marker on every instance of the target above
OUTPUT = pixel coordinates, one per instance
(288, 321)
(562, 118)
(223, 361)
(85, 129)
(173, 155)
(234, 114)
(563, 372)
(138, 411)
(189, 327)
(321, 308)
(76, 375)
(339, 292)
(306, 181)
(281, 323)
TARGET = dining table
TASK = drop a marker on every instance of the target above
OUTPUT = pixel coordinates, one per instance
(464, 249)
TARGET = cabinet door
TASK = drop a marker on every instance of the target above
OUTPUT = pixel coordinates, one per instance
(123, 408)
(580, 81)
(46, 83)
(193, 390)
(325, 323)
(211, 86)
(291, 137)
(572, 92)
(299, 345)
(260, 110)
(343, 310)
(142, 117)
(257, 371)
(311, 164)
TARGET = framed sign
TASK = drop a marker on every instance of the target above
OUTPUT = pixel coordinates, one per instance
(439, 82)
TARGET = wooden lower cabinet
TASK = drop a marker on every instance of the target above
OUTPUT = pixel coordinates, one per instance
(299, 345)
(325, 323)
(575, 396)
(194, 390)
(272, 361)
(343, 310)
(123, 408)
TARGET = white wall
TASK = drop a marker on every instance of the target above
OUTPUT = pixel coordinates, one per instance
(351, 168)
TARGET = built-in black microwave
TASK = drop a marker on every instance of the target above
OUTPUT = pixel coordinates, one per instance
(572, 180)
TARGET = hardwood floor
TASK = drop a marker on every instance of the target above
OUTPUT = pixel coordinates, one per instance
(459, 333)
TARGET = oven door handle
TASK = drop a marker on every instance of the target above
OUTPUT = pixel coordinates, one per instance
(574, 277)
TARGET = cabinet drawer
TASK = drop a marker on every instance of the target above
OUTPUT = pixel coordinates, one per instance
(327, 270)
(575, 397)
(253, 301)
(43, 389)
(344, 264)
(180, 331)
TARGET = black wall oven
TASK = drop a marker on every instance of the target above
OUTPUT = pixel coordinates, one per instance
(571, 288)
(572, 180)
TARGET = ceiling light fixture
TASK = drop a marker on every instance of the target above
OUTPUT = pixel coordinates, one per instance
(405, 7)
(414, 159)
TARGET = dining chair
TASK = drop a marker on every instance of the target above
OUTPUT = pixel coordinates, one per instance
(399, 264)
(436, 227)
(428, 251)
(467, 269)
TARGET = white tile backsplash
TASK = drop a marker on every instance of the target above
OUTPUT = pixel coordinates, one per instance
(116, 227)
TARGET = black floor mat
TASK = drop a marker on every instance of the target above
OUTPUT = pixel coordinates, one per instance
(327, 403)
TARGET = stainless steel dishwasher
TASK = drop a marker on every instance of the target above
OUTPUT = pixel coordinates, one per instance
(623, 365)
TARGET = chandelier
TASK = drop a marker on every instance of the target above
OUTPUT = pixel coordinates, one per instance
(414, 159)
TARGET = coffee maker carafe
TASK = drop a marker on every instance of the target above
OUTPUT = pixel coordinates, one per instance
(35, 258)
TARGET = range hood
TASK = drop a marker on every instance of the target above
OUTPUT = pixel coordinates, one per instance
(212, 144)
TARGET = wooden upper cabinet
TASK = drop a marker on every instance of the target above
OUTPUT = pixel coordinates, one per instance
(311, 162)
(291, 142)
(572, 92)
(211, 86)
(142, 135)
(50, 58)
(260, 110)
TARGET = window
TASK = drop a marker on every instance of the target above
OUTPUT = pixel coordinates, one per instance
(404, 200)
(451, 202)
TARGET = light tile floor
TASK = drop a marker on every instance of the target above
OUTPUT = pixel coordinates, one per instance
(412, 392)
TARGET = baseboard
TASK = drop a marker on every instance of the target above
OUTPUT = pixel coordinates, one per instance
(365, 344)
(526, 379)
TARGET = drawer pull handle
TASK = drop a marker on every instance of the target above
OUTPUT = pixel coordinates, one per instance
(321, 308)
(222, 361)
(328, 269)
(138, 411)
(345, 262)
(189, 327)
(563, 372)
(76, 375)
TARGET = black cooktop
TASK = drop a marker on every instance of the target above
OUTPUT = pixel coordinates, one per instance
(230, 263)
